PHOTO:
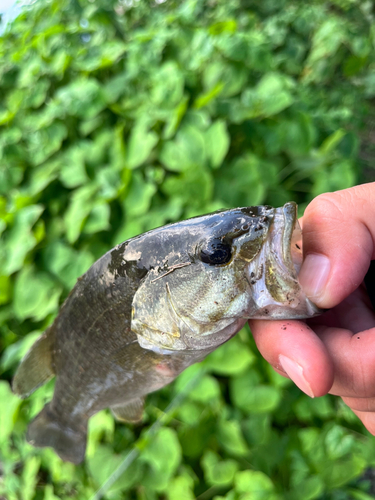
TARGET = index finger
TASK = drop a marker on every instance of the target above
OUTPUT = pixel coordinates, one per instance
(293, 349)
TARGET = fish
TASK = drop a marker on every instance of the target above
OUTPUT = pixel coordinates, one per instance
(154, 305)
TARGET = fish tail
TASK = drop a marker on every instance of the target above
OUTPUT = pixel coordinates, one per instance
(36, 368)
(68, 441)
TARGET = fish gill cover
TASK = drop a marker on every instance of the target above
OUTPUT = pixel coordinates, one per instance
(117, 117)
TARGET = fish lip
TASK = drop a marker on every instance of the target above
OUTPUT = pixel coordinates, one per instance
(283, 297)
(291, 231)
(290, 227)
(283, 230)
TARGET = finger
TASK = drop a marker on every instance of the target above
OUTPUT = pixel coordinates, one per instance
(360, 404)
(368, 420)
(355, 313)
(338, 243)
(293, 349)
(353, 358)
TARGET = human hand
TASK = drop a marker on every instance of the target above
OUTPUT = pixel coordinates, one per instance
(334, 352)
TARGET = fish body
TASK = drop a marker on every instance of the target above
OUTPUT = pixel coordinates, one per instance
(154, 305)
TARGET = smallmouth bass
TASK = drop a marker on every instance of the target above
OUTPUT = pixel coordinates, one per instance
(154, 305)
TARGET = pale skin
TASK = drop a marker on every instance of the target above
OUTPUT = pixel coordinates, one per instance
(333, 353)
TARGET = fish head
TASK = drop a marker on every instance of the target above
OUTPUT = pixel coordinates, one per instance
(218, 271)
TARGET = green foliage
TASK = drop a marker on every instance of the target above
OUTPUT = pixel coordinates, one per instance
(120, 116)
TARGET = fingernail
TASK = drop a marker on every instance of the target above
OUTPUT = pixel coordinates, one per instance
(295, 372)
(314, 274)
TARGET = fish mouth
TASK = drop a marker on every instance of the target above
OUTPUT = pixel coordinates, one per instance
(274, 273)
(284, 242)
(291, 240)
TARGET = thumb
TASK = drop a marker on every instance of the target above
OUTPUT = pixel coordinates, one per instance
(338, 243)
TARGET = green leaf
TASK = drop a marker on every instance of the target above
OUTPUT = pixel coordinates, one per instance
(9, 177)
(269, 97)
(307, 411)
(104, 462)
(13, 354)
(9, 404)
(231, 495)
(73, 171)
(29, 478)
(337, 474)
(142, 140)
(49, 493)
(163, 451)
(83, 97)
(187, 150)
(338, 442)
(65, 263)
(41, 177)
(98, 219)
(80, 206)
(4, 289)
(207, 388)
(231, 77)
(167, 85)
(230, 359)
(19, 240)
(192, 187)
(61, 472)
(163, 454)
(181, 487)
(139, 196)
(310, 488)
(229, 26)
(189, 412)
(244, 182)
(46, 141)
(100, 56)
(231, 438)
(254, 485)
(203, 99)
(258, 399)
(218, 472)
(183, 380)
(10, 136)
(110, 182)
(257, 428)
(101, 427)
(217, 143)
(359, 495)
(340, 175)
(326, 41)
(297, 135)
(35, 294)
(332, 141)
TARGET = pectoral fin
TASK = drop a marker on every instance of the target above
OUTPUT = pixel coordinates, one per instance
(36, 367)
(129, 412)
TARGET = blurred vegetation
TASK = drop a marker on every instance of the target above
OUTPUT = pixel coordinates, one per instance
(120, 116)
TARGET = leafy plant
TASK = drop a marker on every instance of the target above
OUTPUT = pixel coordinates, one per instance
(120, 116)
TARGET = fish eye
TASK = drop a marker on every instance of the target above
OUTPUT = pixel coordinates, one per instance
(216, 252)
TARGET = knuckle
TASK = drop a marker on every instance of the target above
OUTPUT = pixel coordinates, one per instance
(325, 207)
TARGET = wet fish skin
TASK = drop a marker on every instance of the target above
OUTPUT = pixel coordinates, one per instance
(151, 307)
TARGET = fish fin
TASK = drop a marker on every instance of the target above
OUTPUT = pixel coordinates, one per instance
(47, 429)
(129, 412)
(36, 367)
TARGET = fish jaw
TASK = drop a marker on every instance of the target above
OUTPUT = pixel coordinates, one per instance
(273, 274)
